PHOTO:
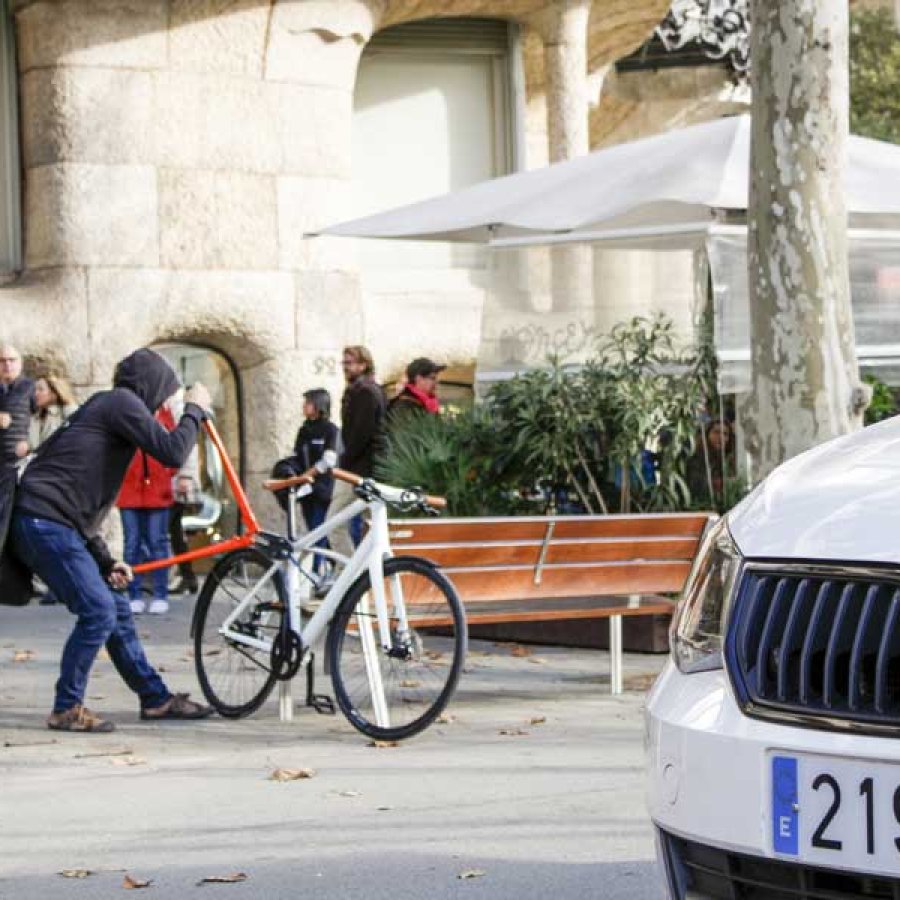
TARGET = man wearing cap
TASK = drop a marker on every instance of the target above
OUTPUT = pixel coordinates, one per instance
(419, 394)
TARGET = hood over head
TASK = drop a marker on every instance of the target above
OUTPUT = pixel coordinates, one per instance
(148, 375)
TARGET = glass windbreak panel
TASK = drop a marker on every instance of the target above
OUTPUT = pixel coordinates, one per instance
(215, 515)
(875, 294)
(524, 322)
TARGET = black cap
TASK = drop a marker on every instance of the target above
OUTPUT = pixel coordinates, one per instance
(423, 368)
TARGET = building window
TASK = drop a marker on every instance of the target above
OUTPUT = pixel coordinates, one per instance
(434, 111)
(10, 203)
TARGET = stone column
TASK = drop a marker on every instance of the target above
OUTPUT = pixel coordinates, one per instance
(565, 63)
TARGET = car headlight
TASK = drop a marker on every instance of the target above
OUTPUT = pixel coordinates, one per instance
(698, 627)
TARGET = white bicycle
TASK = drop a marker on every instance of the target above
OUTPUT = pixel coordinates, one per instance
(396, 630)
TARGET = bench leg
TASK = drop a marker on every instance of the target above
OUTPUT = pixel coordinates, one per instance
(285, 702)
(615, 654)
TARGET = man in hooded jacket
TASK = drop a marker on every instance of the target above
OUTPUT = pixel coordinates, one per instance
(62, 499)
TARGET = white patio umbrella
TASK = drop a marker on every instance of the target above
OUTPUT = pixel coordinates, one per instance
(665, 190)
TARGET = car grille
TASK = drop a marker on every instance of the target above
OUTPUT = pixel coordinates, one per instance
(818, 646)
(699, 872)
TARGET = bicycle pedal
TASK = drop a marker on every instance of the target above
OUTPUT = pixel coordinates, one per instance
(322, 704)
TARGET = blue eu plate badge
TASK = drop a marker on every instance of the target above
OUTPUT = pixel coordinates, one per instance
(785, 818)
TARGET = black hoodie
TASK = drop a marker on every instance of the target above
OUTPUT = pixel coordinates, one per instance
(76, 474)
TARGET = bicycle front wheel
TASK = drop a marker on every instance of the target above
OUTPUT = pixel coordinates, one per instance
(235, 668)
(393, 688)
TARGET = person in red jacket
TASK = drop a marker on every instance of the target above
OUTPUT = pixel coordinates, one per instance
(144, 502)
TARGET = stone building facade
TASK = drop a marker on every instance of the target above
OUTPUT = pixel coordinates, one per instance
(175, 154)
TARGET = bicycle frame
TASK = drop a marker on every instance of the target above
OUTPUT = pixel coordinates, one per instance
(368, 557)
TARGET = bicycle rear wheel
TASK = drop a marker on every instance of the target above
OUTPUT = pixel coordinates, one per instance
(236, 679)
(418, 674)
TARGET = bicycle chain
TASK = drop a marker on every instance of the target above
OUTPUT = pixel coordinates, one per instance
(286, 655)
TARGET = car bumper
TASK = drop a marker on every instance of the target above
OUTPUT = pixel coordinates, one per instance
(709, 774)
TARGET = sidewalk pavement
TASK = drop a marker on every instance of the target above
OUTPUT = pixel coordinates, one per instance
(534, 786)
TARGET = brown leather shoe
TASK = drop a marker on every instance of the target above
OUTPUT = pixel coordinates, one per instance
(79, 718)
(178, 706)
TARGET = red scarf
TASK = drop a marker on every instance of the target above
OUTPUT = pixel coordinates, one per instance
(430, 403)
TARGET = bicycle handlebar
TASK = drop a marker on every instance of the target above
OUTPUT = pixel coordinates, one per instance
(280, 484)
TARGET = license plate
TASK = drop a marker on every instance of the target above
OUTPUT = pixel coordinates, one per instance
(839, 813)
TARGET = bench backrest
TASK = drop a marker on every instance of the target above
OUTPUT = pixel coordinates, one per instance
(520, 558)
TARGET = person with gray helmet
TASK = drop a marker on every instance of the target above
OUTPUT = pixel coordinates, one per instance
(63, 497)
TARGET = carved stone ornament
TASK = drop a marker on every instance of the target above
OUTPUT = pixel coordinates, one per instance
(719, 28)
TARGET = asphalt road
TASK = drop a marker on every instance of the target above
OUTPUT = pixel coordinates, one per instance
(550, 809)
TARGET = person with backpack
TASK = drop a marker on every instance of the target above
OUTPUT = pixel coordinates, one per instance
(316, 435)
(60, 503)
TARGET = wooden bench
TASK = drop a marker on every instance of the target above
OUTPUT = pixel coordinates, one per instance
(543, 568)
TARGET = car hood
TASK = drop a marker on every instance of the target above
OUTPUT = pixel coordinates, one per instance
(837, 502)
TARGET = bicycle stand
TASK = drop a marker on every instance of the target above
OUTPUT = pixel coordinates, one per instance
(321, 703)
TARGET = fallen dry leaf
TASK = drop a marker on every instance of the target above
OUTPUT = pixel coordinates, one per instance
(538, 660)
(291, 774)
(349, 794)
(471, 873)
(23, 655)
(434, 654)
(513, 732)
(75, 873)
(383, 744)
(643, 681)
(519, 650)
(132, 884)
(538, 720)
(223, 879)
(408, 683)
(128, 761)
(445, 719)
(214, 652)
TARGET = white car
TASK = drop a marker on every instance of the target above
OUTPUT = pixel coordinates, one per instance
(774, 731)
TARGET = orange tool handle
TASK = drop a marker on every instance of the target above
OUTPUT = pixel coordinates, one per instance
(248, 517)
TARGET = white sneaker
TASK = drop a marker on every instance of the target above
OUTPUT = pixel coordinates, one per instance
(138, 607)
(158, 607)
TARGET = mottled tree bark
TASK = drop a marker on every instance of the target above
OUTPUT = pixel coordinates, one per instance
(805, 374)
(566, 63)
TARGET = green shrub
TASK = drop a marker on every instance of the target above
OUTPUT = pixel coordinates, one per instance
(564, 437)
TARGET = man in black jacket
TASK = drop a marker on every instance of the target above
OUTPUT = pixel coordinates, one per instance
(16, 406)
(63, 497)
(362, 432)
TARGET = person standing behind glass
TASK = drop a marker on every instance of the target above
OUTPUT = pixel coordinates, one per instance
(16, 407)
(54, 402)
(144, 501)
(316, 435)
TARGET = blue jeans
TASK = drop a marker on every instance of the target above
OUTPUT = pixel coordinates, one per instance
(147, 529)
(59, 555)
